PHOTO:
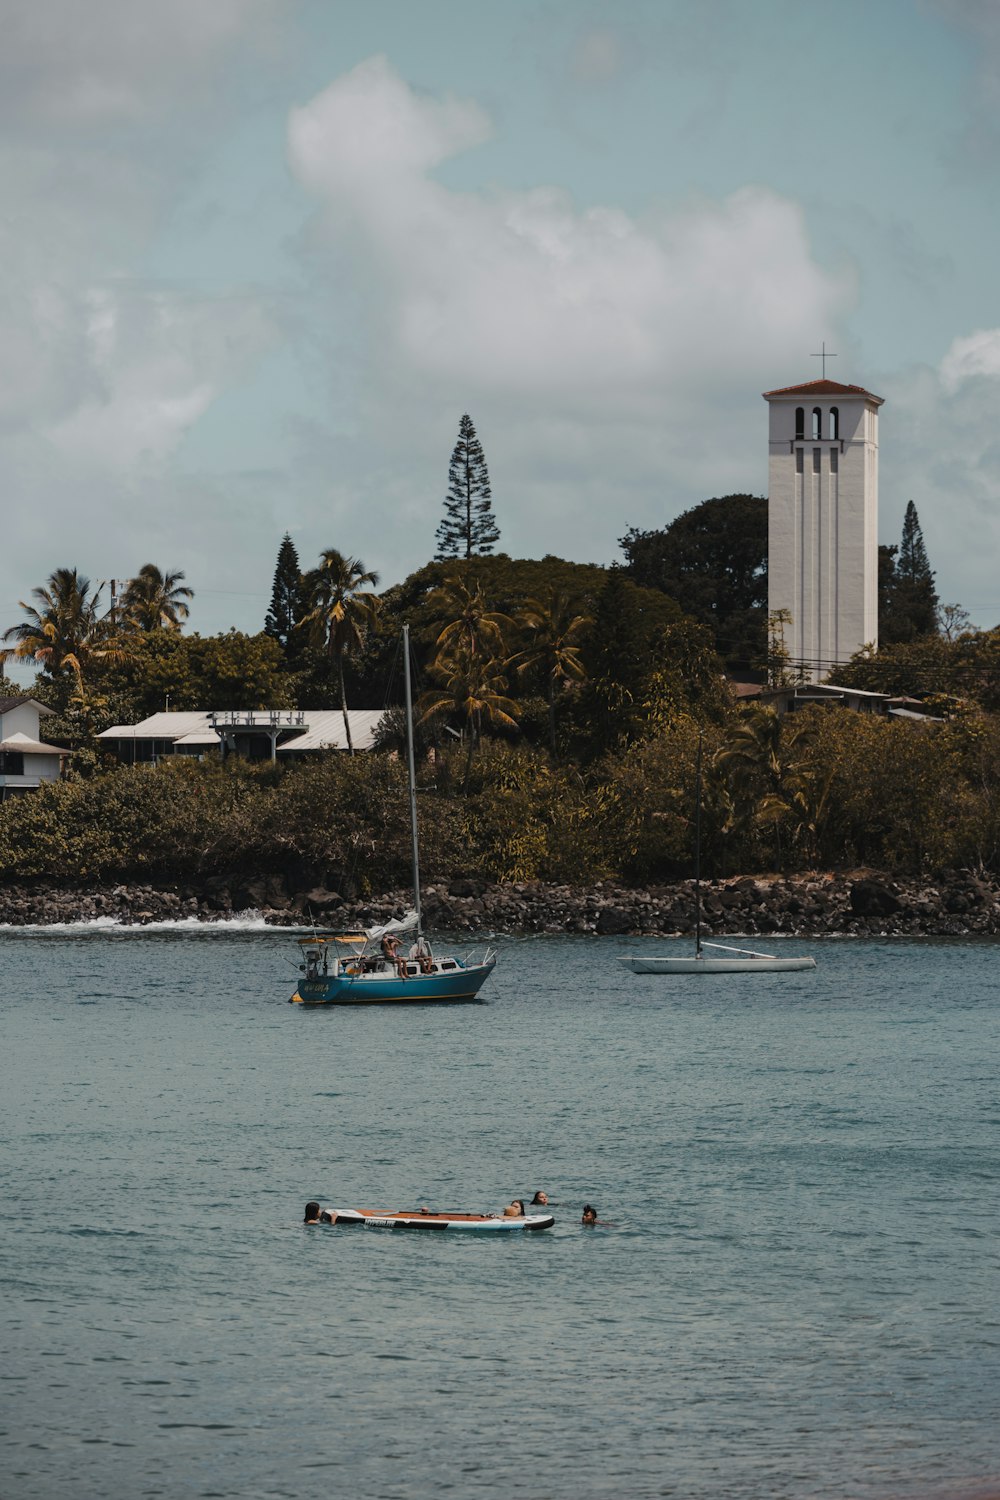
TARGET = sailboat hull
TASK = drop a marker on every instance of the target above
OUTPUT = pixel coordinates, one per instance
(453, 985)
(762, 965)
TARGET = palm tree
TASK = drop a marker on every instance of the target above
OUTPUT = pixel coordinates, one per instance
(66, 633)
(155, 601)
(473, 687)
(763, 760)
(555, 628)
(463, 620)
(339, 613)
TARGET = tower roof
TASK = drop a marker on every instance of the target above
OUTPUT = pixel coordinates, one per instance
(824, 388)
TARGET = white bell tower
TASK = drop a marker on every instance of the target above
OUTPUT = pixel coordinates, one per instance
(822, 522)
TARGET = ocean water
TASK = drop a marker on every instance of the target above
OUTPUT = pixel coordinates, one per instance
(796, 1295)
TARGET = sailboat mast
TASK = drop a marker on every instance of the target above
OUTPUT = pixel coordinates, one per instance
(412, 776)
(697, 853)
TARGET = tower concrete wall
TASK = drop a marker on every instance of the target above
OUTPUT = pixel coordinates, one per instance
(823, 522)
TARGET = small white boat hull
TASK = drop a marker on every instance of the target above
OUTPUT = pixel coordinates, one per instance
(468, 1223)
(761, 965)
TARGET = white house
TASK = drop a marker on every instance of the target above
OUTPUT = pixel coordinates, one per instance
(25, 761)
(822, 521)
(256, 734)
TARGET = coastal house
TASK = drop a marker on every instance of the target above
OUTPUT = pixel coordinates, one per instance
(788, 700)
(254, 734)
(25, 760)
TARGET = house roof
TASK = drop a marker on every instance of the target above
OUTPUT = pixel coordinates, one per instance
(325, 730)
(8, 704)
(29, 746)
(823, 388)
(198, 737)
(835, 687)
(320, 729)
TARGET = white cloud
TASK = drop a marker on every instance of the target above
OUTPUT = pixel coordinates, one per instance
(597, 57)
(524, 291)
(108, 61)
(611, 364)
(159, 360)
(979, 354)
(107, 110)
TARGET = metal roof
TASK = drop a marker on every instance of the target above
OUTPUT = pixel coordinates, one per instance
(324, 728)
(198, 737)
(30, 747)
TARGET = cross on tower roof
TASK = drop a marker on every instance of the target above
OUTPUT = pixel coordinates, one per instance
(824, 357)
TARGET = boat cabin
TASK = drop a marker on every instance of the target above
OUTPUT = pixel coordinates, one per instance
(339, 955)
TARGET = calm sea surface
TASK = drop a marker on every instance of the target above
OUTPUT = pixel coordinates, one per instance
(799, 1294)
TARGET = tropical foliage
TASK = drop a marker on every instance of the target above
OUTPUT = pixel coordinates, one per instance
(822, 788)
(155, 601)
(562, 707)
(66, 633)
(553, 628)
(340, 612)
(713, 561)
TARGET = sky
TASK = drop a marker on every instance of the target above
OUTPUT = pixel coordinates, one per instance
(258, 257)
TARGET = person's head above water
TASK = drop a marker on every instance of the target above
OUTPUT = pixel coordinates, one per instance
(542, 1198)
(312, 1213)
(589, 1215)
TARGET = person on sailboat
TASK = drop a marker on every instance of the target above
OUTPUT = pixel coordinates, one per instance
(392, 955)
(421, 952)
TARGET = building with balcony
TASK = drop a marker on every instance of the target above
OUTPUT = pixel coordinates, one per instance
(254, 734)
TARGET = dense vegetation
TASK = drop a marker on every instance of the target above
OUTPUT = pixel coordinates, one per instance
(560, 707)
(825, 789)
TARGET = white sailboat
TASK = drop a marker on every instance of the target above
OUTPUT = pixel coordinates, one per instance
(743, 961)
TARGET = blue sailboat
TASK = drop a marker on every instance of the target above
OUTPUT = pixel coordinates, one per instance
(366, 967)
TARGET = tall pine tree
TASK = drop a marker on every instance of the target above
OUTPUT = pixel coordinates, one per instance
(468, 528)
(287, 606)
(908, 601)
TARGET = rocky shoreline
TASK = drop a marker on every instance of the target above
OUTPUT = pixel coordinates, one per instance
(956, 903)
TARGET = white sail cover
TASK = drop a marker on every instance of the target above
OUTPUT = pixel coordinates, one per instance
(398, 924)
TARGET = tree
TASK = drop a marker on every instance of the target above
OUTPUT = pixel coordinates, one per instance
(286, 607)
(468, 527)
(66, 633)
(463, 617)
(622, 649)
(770, 779)
(954, 621)
(472, 685)
(555, 628)
(713, 561)
(155, 601)
(908, 601)
(236, 671)
(339, 613)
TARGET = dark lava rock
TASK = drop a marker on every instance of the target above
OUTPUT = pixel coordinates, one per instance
(870, 898)
(613, 920)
